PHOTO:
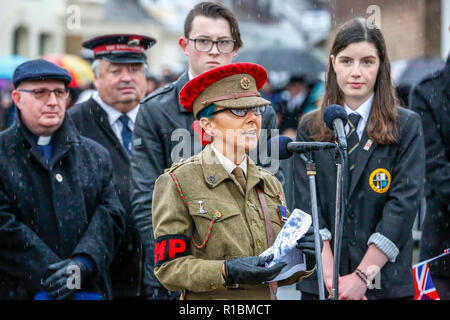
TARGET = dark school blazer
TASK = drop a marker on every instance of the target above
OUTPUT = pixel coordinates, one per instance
(383, 199)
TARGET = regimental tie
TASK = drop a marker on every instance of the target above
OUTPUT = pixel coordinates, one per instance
(239, 175)
(352, 140)
(126, 132)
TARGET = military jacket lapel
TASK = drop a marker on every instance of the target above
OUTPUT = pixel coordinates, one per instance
(253, 174)
(213, 171)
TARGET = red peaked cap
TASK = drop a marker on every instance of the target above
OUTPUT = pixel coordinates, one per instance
(195, 87)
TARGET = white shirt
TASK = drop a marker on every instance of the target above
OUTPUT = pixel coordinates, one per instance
(364, 111)
(190, 75)
(228, 164)
(113, 116)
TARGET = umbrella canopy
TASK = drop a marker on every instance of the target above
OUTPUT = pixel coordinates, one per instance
(417, 69)
(8, 64)
(413, 71)
(282, 62)
(79, 69)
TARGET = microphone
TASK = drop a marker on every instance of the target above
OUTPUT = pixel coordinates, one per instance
(335, 117)
(287, 147)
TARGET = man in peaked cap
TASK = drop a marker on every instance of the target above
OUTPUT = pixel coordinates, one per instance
(59, 212)
(211, 39)
(108, 117)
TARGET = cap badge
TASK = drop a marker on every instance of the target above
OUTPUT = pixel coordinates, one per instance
(245, 83)
(134, 42)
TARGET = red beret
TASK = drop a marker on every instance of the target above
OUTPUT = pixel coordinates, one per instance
(239, 87)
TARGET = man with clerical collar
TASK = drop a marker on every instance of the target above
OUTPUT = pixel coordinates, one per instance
(60, 218)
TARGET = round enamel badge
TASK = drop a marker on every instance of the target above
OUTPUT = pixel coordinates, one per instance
(380, 180)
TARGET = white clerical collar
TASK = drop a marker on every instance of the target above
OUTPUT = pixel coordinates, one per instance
(227, 163)
(113, 114)
(43, 141)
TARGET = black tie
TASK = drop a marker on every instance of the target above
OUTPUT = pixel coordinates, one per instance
(126, 132)
(352, 139)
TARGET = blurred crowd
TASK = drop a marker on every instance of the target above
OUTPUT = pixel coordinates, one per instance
(76, 94)
(298, 96)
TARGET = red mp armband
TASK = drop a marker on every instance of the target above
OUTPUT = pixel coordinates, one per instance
(170, 247)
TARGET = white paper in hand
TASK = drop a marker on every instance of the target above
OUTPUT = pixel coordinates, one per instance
(284, 248)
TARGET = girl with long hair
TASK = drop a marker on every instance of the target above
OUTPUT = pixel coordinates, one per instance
(385, 171)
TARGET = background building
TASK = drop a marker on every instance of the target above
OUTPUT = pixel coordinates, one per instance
(413, 28)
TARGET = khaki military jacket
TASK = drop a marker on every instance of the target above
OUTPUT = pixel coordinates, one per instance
(202, 217)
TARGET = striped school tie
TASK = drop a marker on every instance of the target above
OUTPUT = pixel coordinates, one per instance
(352, 139)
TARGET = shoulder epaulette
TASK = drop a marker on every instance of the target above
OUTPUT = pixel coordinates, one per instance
(158, 92)
(180, 163)
(265, 171)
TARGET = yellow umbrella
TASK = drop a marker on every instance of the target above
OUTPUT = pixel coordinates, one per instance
(79, 69)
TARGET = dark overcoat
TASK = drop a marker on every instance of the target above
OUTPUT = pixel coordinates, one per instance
(431, 100)
(126, 268)
(53, 211)
(386, 208)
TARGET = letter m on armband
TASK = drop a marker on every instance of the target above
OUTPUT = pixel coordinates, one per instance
(170, 247)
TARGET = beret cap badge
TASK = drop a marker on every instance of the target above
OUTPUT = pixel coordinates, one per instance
(245, 83)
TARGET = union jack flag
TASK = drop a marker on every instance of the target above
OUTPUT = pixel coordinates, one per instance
(423, 284)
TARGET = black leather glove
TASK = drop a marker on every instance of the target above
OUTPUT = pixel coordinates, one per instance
(57, 284)
(251, 270)
(306, 244)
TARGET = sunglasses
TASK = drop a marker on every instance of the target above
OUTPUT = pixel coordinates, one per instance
(257, 111)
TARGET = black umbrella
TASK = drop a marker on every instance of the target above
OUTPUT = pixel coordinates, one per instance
(282, 62)
(415, 71)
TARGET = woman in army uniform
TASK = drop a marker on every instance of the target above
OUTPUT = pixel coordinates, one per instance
(215, 213)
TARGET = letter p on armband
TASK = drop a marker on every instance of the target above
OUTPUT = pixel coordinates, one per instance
(170, 247)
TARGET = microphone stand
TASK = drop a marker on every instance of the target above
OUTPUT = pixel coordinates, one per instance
(341, 198)
(311, 172)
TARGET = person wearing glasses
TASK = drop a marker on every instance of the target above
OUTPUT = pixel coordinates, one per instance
(211, 39)
(60, 218)
(216, 212)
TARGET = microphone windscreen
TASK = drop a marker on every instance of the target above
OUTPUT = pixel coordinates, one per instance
(333, 112)
(280, 143)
